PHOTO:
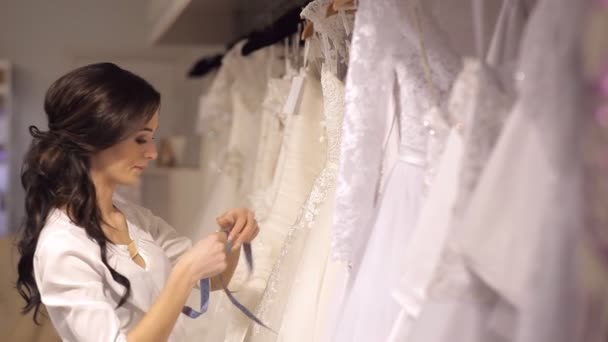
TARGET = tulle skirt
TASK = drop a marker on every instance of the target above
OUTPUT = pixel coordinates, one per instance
(369, 310)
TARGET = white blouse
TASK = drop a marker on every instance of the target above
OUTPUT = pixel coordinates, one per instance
(78, 291)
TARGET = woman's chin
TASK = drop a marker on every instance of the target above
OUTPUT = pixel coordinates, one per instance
(132, 180)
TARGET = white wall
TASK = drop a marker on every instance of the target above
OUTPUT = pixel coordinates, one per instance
(45, 39)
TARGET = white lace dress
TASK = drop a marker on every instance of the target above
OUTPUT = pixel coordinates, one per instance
(385, 44)
(430, 290)
(363, 127)
(423, 252)
(262, 198)
(299, 276)
(304, 278)
(534, 162)
(248, 79)
(402, 80)
(300, 160)
(464, 136)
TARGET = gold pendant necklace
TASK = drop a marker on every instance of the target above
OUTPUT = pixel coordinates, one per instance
(133, 252)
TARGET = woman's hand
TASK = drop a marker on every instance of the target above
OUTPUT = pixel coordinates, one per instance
(241, 225)
(207, 258)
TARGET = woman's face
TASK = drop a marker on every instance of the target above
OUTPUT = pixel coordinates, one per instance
(123, 163)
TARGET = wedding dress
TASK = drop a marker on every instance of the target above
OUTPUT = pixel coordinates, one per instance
(299, 275)
(424, 247)
(524, 169)
(248, 79)
(386, 46)
(438, 300)
(363, 127)
(214, 139)
(478, 105)
(262, 198)
(531, 165)
(477, 94)
(271, 133)
(400, 203)
(304, 278)
(213, 127)
(300, 160)
(552, 307)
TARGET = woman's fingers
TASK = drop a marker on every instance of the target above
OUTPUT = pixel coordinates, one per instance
(249, 230)
(241, 225)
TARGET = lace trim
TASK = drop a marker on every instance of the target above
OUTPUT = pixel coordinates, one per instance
(384, 49)
(333, 94)
(331, 33)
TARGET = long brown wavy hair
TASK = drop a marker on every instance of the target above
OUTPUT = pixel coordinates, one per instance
(88, 110)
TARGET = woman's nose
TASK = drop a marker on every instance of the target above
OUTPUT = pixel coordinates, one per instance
(151, 153)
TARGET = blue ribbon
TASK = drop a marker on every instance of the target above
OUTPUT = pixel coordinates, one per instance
(205, 285)
(205, 293)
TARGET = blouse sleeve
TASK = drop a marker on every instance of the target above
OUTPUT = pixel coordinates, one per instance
(167, 237)
(69, 278)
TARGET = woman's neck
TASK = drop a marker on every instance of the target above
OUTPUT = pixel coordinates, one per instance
(105, 192)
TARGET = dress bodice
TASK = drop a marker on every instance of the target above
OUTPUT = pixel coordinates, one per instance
(386, 73)
(333, 34)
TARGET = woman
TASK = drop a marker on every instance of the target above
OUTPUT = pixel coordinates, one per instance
(105, 269)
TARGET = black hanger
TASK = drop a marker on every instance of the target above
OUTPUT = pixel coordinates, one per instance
(284, 27)
(205, 65)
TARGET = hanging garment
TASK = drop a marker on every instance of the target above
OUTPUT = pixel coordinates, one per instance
(530, 167)
(269, 143)
(271, 137)
(427, 239)
(454, 293)
(298, 277)
(305, 157)
(300, 161)
(331, 34)
(301, 274)
(213, 127)
(477, 106)
(483, 105)
(363, 128)
(262, 199)
(552, 308)
(213, 142)
(384, 49)
(399, 206)
(524, 169)
(446, 161)
(248, 78)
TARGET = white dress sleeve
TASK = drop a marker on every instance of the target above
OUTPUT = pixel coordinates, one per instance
(69, 275)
